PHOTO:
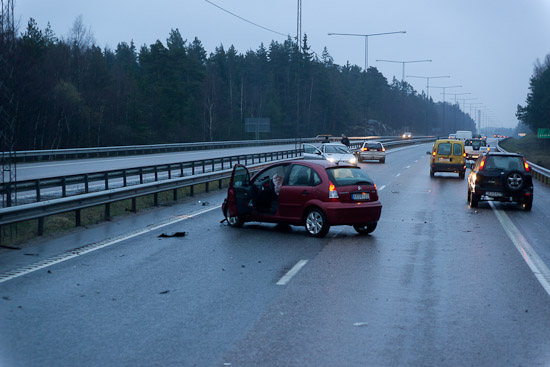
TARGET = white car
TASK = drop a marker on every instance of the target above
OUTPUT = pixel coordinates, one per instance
(333, 152)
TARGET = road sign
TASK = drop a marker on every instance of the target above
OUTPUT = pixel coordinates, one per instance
(544, 134)
(257, 125)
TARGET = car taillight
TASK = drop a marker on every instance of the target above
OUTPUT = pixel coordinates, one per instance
(433, 153)
(383, 149)
(332, 193)
(526, 165)
(364, 149)
(482, 163)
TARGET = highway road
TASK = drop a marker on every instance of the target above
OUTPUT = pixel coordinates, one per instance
(436, 284)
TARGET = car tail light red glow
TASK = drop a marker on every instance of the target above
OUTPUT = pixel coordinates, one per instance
(482, 163)
(332, 193)
(364, 149)
(526, 165)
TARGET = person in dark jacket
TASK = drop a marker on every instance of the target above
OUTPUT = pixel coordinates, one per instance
(345, 140)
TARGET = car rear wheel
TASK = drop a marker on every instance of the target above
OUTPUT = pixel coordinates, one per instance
(235, 222)
(316, 223)
(474, 199)
(365, 228)
(432, 173)
(461, 175)
(383, 160)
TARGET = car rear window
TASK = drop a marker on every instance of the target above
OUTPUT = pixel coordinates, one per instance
(444, 149)
(373, 146)
(344, 176)
(505, 163)
(457, 149)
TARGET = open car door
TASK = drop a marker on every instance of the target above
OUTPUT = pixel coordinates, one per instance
(239, 192)
(312, 152)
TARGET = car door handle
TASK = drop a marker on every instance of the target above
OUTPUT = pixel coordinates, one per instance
(305, 192)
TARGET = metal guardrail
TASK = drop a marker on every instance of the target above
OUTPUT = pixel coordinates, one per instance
(540, 173)
(40, 210)
(138, 174)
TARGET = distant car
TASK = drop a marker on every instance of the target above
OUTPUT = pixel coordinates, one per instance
(501, 177)
(316, 194)
(475, 148)
(406, 135)
(452, 136)
(333, 152)
(372, 151)
(448, 155)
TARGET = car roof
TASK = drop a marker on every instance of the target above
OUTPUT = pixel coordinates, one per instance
(449, 141)
(322, 163)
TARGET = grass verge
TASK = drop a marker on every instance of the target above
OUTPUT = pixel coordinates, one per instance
(534, 149)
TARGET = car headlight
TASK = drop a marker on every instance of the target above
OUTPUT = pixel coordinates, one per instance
(353, 160)
(330, 159)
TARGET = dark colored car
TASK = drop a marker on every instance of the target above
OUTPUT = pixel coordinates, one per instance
(501, 177)
(316, 194)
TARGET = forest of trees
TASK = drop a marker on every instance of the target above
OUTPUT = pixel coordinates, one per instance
(536, 113)
(67, 92)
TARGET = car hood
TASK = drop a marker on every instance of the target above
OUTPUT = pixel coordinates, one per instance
(338, 157)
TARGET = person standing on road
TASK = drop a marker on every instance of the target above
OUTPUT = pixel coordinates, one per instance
(345, 140)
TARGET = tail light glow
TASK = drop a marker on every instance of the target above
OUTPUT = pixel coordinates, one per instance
(526, 165)
(332, 193)
(482, 163)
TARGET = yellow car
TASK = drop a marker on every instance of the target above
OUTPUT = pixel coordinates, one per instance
(448, 155)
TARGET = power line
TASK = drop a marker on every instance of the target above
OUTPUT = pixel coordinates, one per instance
(246, 20)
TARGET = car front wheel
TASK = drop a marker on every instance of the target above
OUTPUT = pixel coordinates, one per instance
(365, 228)
(316, 223)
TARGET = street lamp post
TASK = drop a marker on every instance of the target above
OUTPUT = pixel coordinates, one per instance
(366, 41)
(443, 105)
(428, 81)
(404, 62)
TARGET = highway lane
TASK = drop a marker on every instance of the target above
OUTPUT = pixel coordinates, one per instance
(35, 170)
(437, 283)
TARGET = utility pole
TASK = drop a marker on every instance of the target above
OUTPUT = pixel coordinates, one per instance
(299, 26)
(404, 62)
(428, 81)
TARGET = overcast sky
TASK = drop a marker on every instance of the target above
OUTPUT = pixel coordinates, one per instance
(489, 47)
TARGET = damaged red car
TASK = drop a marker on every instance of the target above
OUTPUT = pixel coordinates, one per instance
(315, 194)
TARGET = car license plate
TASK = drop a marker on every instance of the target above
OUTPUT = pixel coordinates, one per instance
(494, 194)
(444, 160)
(360, 196)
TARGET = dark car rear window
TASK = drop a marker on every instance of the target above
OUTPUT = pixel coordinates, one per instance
(344, 176)
(505, 163)
(373, 146)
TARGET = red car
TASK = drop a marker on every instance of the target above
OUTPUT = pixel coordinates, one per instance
(316, 194)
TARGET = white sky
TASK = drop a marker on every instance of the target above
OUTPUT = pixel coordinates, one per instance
(487, 46)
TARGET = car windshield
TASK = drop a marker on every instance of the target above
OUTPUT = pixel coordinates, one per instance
(343, 176)
(336, 149)
(506, 163)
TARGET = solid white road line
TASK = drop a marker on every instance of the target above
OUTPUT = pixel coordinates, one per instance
(538, 267)
(94, 246)
(292, 272)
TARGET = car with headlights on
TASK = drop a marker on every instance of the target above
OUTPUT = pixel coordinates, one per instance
(314, 194)
(333, 152)
(502, 177)
(372, 151)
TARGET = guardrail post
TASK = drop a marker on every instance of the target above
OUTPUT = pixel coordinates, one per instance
(40, 226)
(37, 184)
(213, 162)
(134, 206)
(222, 164)
(156, 199)
(206, 187)
(86, 184)
(140, 175)
(181, 169)
(124, 178)
(77, 217)
(220, 184)
(192, 190)
(108, 211)
(169, 171)
(203, 166)
(193, 167)
(63, 187)
(175, 194)
(156, 174)
(106, 181)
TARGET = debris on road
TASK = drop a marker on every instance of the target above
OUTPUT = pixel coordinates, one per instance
(175, 234)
